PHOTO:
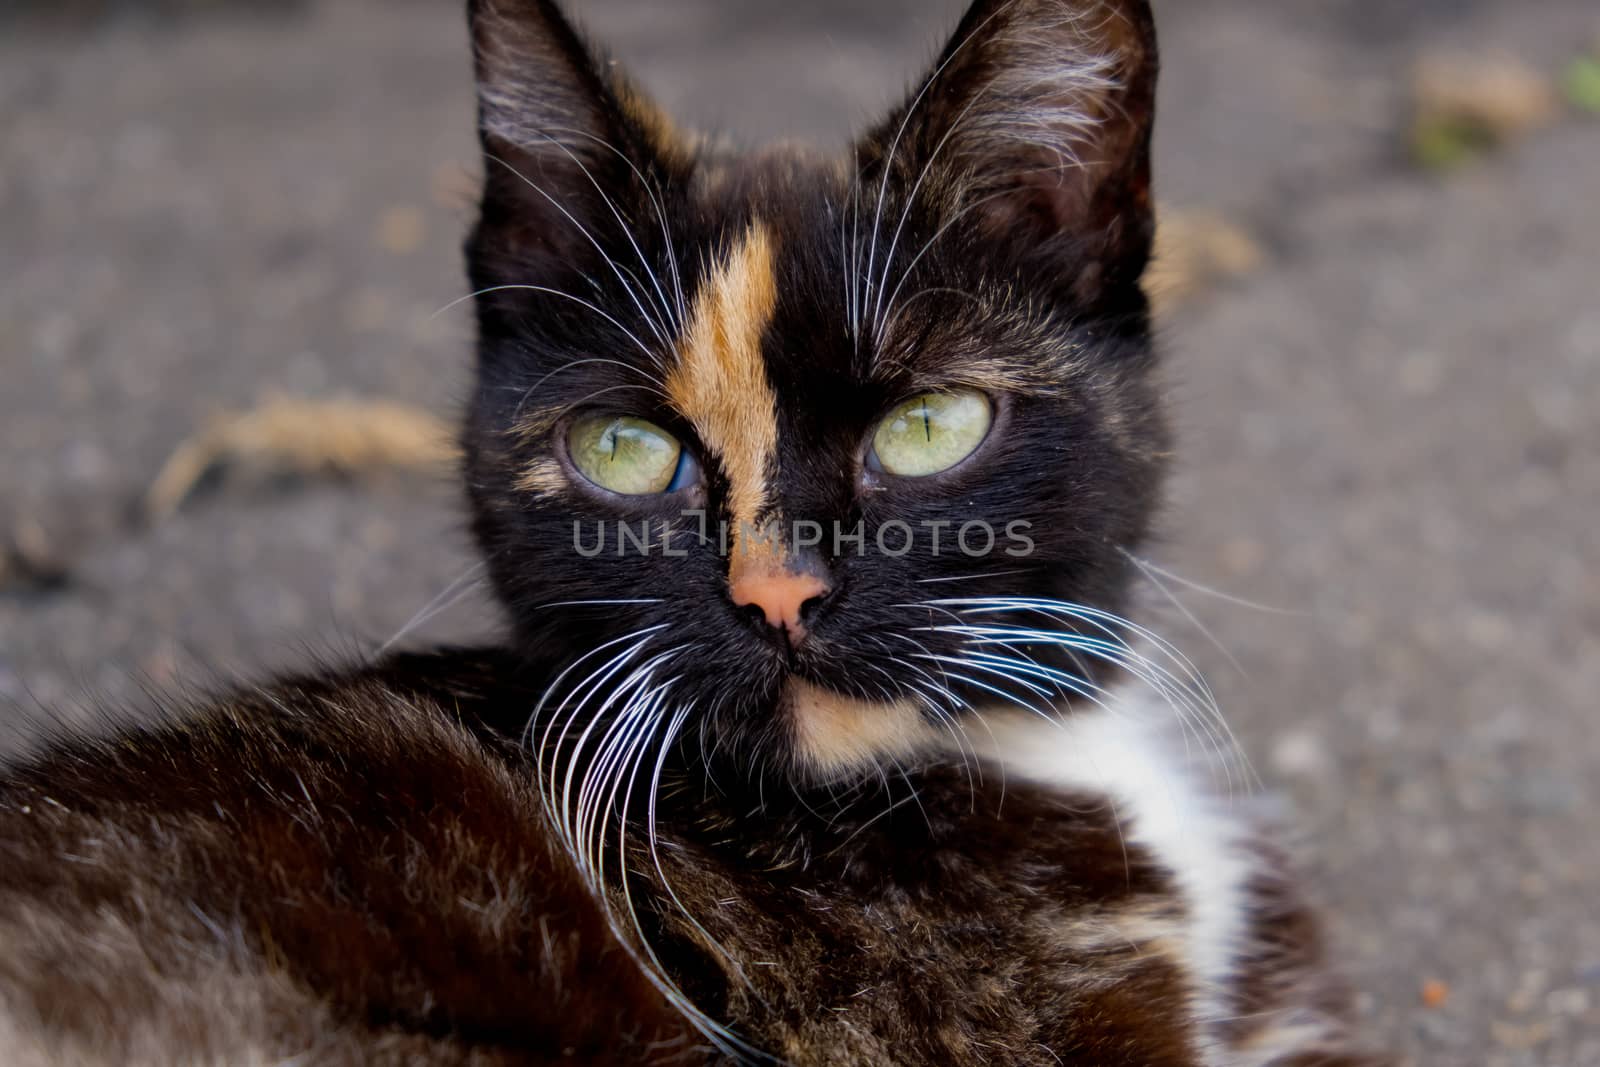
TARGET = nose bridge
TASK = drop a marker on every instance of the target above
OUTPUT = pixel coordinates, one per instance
(809, 490)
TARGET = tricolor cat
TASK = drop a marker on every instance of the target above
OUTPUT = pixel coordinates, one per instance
(844, 751)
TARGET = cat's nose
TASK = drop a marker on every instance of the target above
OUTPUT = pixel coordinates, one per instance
(783, 596)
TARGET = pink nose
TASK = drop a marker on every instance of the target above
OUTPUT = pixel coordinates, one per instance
(781, 595)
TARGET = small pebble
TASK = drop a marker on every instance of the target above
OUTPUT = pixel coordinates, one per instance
(1567, 1002)
(1513, 1035)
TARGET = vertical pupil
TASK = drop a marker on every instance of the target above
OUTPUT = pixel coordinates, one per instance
(927, 420)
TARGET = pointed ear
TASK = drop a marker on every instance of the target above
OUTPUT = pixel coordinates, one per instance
(565, 143)
(1035, 123)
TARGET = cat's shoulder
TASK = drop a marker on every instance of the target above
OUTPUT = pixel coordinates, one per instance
(326, 865)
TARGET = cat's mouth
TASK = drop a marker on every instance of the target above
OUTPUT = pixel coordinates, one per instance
(835, 735)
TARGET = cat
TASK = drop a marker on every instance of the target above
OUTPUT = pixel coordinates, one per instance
(814, 489)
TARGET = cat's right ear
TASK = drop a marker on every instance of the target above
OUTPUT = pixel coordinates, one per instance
(565, 142)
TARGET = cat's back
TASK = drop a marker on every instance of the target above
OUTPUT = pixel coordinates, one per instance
(338, 869)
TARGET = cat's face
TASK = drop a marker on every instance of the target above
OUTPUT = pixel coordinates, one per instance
(816, 458)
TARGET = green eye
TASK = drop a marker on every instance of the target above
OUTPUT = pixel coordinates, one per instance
(932, 433)
(624, 454)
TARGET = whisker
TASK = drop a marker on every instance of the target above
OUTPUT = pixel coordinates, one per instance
(516, 416)
(452, 594)
(615, 269)
(1183, 609)
(673, 728)
(627, 718)
(905, 122)
(887, 319)
(858, 831)
(584, 603)
(595, 802)
(582, 400)
(636, 679)
(640, 638)
(911, 199)
(719, 1034)
(548, 291)
(651, 188)
(1148, 567)
(1183, 688)
(971, 577)
(627, 231)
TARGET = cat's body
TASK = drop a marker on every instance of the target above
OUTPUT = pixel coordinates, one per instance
(357, 869)
(782, 799)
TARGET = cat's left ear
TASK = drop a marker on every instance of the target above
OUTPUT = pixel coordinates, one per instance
(1035, 123)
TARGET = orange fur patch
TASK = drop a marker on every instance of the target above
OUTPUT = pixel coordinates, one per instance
(835, 734)
(543, 477)
(720, 381)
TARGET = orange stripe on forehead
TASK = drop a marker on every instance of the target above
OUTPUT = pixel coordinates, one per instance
(720, 381)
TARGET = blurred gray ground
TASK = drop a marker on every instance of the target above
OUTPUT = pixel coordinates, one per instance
(1389, 430)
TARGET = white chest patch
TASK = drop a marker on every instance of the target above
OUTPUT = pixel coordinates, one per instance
(1126, 753)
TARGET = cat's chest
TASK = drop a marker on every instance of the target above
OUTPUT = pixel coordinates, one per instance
(1006, 905)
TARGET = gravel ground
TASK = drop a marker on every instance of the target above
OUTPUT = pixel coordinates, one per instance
(1389, 430)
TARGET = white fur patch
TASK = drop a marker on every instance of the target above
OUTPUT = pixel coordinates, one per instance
(1125, 752)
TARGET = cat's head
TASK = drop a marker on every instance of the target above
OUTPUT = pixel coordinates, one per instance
(812, 458)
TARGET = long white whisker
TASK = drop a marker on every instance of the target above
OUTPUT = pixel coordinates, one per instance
(444, 601)
(627, 231)
(661, 213)
(889, 312)
(970, 577)
(1186, 690)
(548, 291)
(610, 776)
(587, 397)
(1111, 651)
(905, 122)
(671, 735)
(634, 680)
(1183, 609)
(616, 270)
(911, 200)
(1198, 587)
(574, 365)
(721, 1036)
(1010, 698)
(641, 718)
(545, 779)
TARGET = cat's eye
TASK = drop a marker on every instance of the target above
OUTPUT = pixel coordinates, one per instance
(931, 433)
(628, 455)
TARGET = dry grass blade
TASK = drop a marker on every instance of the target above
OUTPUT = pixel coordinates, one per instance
(1195, 250)
(306, 437)
(31, 559)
